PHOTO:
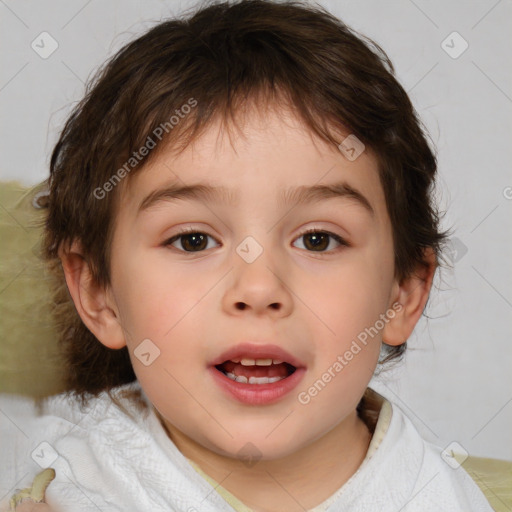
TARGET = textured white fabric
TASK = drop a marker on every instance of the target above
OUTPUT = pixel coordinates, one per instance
(108, 460)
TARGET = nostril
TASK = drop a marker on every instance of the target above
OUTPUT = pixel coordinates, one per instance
(242, 305)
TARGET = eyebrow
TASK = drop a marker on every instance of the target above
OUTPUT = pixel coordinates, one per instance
(196, 192)
(316, 193)
(298, 195)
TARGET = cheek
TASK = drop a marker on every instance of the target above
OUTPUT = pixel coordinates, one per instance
(155, 297)
(161, 311)
(350, 297)
(348, 303)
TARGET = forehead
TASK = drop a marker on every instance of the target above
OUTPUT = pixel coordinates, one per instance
(272, 155)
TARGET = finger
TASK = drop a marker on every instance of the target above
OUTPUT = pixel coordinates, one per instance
(28, 505)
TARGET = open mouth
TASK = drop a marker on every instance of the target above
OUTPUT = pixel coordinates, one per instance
(256, 371)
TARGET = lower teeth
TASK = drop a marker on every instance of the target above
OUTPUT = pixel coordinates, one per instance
(252, 380)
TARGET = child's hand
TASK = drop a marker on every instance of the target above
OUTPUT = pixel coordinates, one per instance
(31, 499)
(27, 505)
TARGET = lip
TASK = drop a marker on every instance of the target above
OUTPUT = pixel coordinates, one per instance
(257, 394)
(256, 351)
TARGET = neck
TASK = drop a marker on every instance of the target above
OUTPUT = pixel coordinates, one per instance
(297, 482)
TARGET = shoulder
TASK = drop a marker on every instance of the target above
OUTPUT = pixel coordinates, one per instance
(59, 430)
(403, 471)
(438, 481)
(26, 416)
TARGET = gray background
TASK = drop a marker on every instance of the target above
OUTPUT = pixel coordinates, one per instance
(456, 383)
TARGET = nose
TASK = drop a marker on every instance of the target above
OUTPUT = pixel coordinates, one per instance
(258, 288)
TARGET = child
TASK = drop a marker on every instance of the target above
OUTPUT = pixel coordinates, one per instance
(240, 218)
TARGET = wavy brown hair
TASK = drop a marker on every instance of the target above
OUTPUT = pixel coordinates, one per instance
(224, 56)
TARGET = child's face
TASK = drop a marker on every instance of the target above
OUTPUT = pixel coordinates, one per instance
(194, 306)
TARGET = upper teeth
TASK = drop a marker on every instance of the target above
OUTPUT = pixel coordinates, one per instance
(257, 362)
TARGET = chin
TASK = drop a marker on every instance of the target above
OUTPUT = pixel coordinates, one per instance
(252, 445)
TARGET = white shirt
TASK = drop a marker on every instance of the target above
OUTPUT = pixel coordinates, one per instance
(108, 460)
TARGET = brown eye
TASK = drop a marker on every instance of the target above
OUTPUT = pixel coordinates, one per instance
(320, 241)
(190, 241)
(316, 241)
(194, 241)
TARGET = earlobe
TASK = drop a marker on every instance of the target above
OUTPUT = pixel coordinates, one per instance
(409, 300)
(92, 302)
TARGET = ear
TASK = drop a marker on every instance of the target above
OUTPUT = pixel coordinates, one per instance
(408, 301)
(94, 304)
